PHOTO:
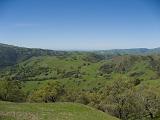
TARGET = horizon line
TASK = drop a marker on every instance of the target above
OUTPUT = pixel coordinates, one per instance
(87, 50)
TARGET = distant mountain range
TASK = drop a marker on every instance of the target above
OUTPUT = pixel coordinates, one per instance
(134, 51)
(10, 55)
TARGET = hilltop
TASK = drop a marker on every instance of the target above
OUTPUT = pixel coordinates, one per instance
(10, 55)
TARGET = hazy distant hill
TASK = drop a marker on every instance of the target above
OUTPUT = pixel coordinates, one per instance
(136, 51)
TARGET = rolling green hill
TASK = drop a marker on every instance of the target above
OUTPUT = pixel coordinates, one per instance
(10, 55)
(56, 111)
(76, 70)
(117, 82)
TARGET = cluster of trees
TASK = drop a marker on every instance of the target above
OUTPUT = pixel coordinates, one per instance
(93, 57)
(11, 90)
(49, 93)
(125, 99)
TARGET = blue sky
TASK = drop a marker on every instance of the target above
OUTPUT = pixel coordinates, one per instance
(80, 24)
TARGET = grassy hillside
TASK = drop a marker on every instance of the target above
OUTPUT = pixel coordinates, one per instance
(116, 83)
(55, 111)
(78, 71)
